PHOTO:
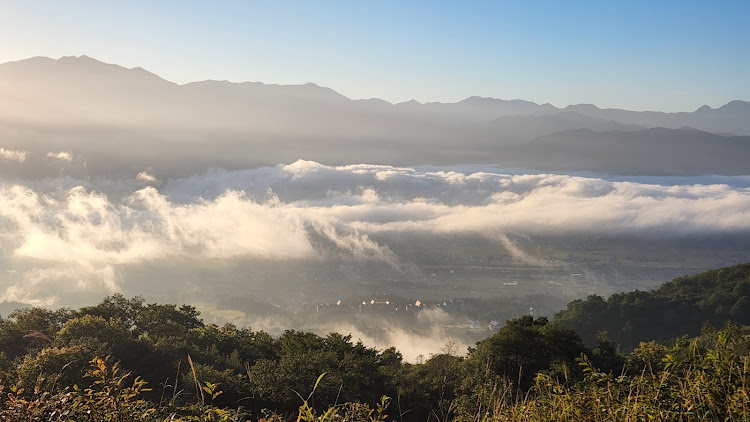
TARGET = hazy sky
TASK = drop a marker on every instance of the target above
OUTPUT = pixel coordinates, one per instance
(659, 55)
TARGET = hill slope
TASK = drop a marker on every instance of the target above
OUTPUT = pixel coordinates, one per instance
(649, 151)
(677, 308)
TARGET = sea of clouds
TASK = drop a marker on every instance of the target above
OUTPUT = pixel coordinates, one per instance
(61, 236)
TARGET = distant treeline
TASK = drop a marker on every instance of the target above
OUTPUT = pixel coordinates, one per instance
(124, 359)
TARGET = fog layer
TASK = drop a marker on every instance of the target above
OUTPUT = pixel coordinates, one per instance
(61, 239)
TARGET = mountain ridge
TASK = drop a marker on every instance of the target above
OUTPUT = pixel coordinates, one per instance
(471, 100)
(124, 116)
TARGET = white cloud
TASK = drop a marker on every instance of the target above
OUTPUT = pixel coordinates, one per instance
(62, 155)
(146, 177)
(310, 211)
(13, 154)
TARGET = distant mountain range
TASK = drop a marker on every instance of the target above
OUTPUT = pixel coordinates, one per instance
(647, 151)
(122, 119)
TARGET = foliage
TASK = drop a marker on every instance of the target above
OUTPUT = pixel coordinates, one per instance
(163, 363)
(431, 388)
(681, 307)
(524, 347)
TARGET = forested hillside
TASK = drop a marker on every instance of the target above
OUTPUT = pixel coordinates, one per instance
(124, 359)
(677, 308)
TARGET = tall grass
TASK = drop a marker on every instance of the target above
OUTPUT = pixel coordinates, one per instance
(692, 385)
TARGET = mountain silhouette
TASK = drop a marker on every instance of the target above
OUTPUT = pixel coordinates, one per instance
(120, 119)
(647, 151)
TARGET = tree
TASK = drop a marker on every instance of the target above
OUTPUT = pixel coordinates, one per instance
(116, 306)
(605, 357)
(353, 371)
(167, 320)
(524, 347)
(96, 335)
(30, 330)
(431, 387)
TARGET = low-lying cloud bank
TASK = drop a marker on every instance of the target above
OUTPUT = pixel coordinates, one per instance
(62, 238)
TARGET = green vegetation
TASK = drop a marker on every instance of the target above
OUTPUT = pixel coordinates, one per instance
(675, 309)
(124, 360)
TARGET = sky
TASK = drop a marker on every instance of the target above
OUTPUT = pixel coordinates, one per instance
(638, 55)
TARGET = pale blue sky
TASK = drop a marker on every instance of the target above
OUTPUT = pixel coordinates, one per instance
(658, 55)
